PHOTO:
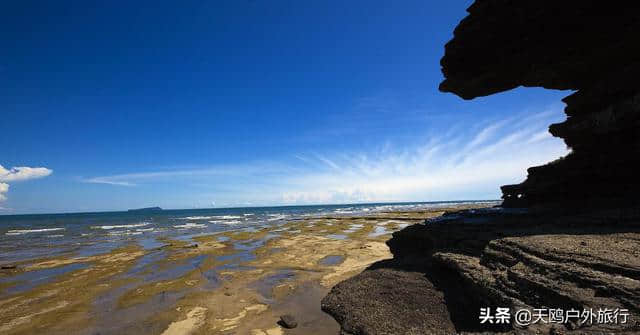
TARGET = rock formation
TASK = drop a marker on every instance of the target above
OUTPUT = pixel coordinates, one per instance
(568, 237)
(587, 46)
(445, 270)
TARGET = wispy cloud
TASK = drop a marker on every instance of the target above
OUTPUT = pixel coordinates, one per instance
(327, 161)
(455, 165)
(227, 172)
(485, 134)
(19, 173)
(541, 136)
(133, 179)
(109, 180)
(445, 167)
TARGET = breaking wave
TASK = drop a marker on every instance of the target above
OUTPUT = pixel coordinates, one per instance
(27, 231)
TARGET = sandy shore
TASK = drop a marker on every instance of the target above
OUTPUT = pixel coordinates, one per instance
(236, 282)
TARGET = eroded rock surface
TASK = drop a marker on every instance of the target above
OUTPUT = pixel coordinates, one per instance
(388, 301)
(453, 266)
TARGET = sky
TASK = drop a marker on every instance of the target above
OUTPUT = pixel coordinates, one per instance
(193, 104)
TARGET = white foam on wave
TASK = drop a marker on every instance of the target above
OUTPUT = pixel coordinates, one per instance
(215, 217)
(141, 224)
(124, 233)
(190, 225)
(27, 231)
(228, 222)
(276, 217)
(55, 236)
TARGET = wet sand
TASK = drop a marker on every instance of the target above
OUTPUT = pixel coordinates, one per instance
(236, 282)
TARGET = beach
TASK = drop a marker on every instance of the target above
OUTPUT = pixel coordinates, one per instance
(239, 280)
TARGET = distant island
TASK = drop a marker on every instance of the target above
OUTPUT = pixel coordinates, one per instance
(146, 209)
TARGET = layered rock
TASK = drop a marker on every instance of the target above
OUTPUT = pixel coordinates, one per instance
(494, 258)
(586, 46)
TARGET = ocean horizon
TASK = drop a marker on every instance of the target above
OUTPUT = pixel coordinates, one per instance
(129, 210)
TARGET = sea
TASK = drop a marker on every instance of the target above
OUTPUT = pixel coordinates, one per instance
(27, 237)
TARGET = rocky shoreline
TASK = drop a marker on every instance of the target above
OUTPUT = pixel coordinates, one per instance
(445, 270)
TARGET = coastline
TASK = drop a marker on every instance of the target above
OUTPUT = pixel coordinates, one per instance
(232, 281)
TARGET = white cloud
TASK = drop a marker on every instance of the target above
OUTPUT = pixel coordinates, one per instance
(109, 180)
(4, 188)
(19, 173)
(442, 169)
(22, 173)
(327, 161)
(485, 134)
(543, 135)
(228, 172)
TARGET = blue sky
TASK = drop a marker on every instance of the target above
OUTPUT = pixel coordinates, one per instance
(234, 103)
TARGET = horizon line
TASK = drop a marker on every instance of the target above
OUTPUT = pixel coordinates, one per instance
(260, 206)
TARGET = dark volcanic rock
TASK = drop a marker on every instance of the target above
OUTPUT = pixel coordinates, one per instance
(288, 321)
(444, 271)
(570, 44)
(586, 46)
(387, 301)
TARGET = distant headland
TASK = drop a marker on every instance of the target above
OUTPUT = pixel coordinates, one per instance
(146, 209)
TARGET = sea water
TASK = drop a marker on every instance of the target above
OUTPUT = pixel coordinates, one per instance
(24, 237)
